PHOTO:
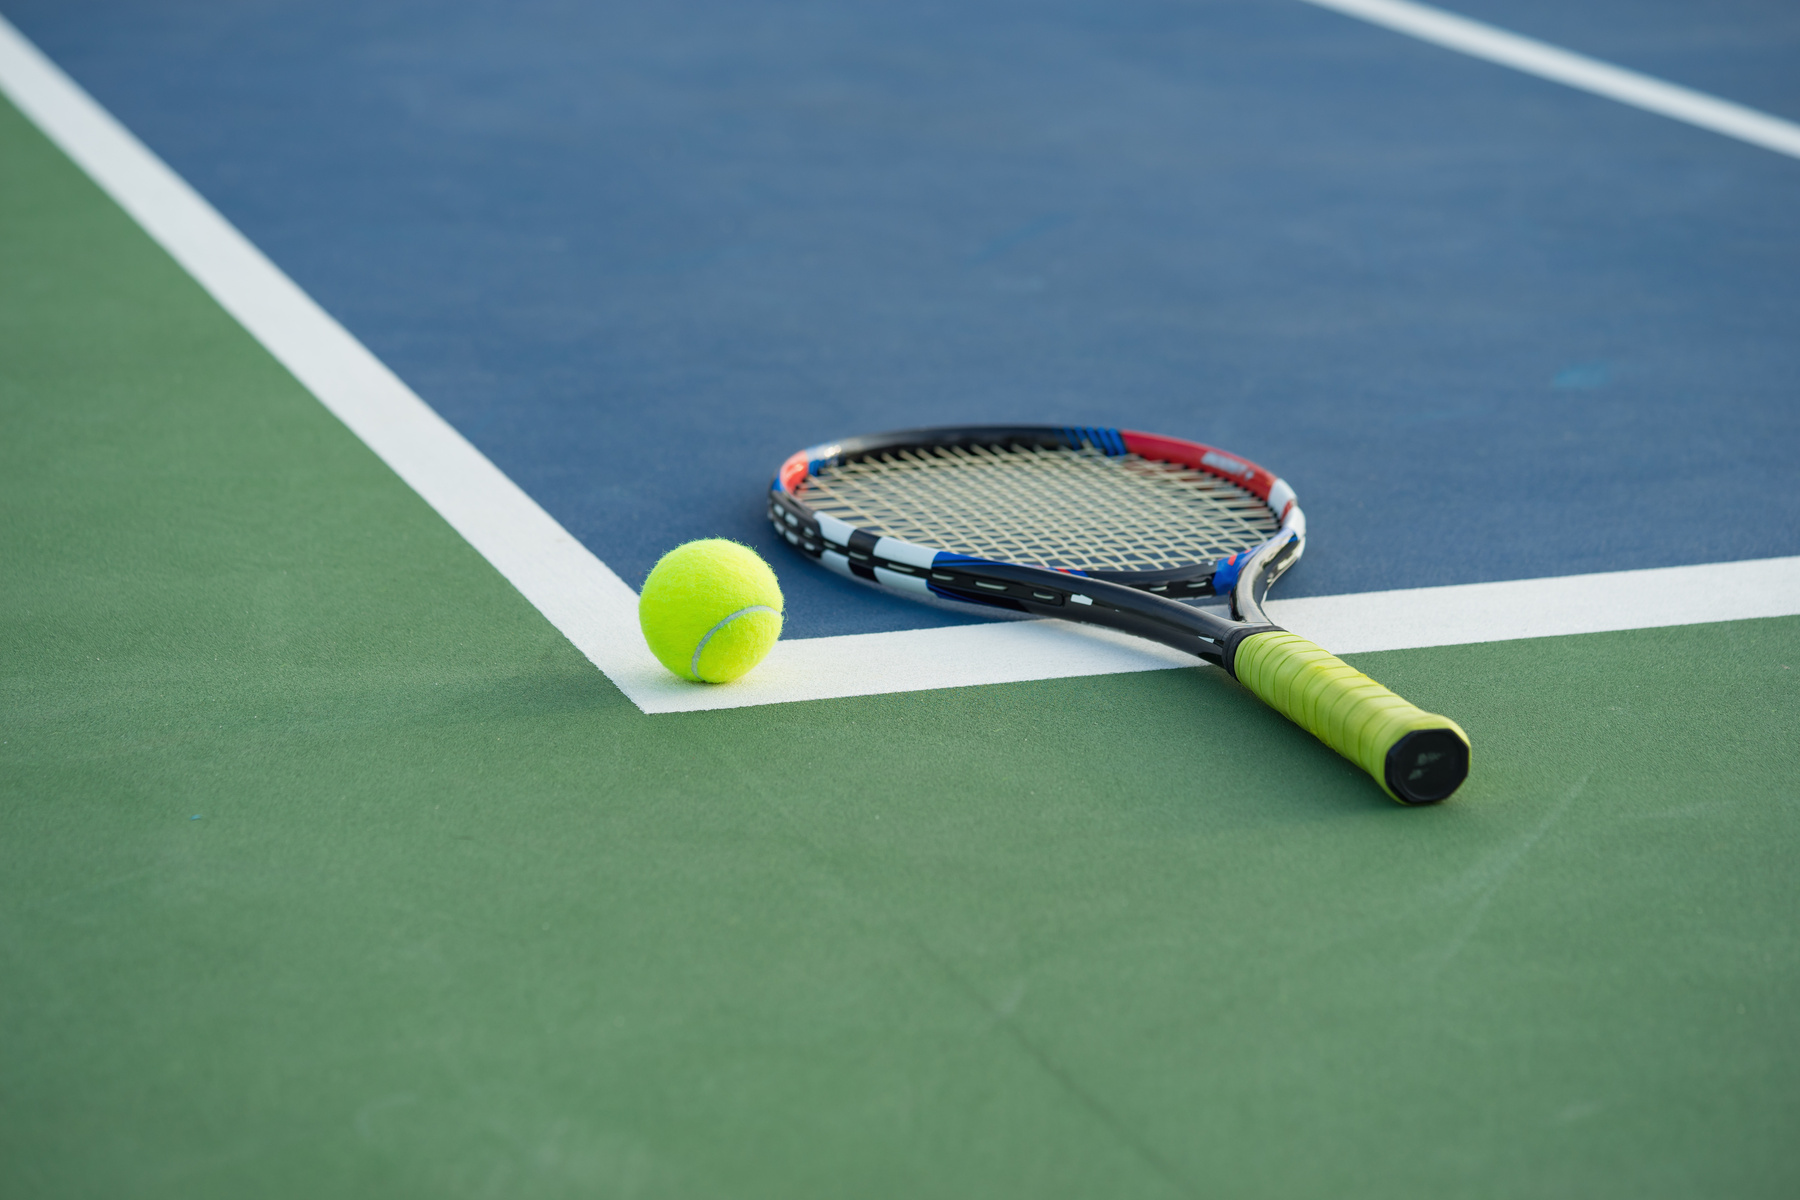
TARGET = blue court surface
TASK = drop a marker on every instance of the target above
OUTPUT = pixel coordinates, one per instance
(331, 865)
(1488, 326)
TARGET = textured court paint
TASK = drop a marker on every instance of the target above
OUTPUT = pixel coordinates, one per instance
(594, 608)
(580, 595)
(593, 234)
(457, 920)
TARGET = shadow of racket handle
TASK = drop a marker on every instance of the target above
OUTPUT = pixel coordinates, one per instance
(1417, 757)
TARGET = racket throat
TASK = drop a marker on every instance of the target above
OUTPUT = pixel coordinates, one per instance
(1207, 635)
(1228, 646)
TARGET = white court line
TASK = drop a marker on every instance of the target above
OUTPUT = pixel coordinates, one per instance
(597, 611)
(1480, 40)
(1011, 651)
(579, 594)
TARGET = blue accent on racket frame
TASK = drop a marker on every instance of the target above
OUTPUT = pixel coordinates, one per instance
(963, 598)
(1225, 575)
(1107, 441)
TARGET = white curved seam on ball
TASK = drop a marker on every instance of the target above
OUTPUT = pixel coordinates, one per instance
(694, 664)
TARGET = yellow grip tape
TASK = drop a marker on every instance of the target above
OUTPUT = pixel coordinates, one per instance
(1331, 699)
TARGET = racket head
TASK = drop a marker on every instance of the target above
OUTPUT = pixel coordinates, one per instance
(922, 512)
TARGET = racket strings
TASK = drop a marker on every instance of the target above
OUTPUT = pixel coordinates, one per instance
(1073, 509)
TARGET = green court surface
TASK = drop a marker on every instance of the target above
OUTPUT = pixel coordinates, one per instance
(329, 868)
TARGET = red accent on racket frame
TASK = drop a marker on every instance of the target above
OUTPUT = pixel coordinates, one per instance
(792, 471)
(1238, 470)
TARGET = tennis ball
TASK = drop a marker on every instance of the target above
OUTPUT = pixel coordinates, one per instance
(710, 610)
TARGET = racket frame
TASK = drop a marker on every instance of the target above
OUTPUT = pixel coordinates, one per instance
(1144, 603)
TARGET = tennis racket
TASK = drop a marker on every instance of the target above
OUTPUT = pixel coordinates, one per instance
(1112, 528)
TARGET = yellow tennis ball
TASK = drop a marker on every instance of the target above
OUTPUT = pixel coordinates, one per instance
(710, 610)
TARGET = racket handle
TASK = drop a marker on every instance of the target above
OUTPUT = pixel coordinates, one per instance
(1417, 757)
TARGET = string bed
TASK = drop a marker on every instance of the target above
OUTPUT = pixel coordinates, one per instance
(1072, 509)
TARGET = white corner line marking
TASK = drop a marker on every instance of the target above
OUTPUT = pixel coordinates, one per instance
(1479, 40)
(597, 611)
(1412, 618)
(577, 592)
